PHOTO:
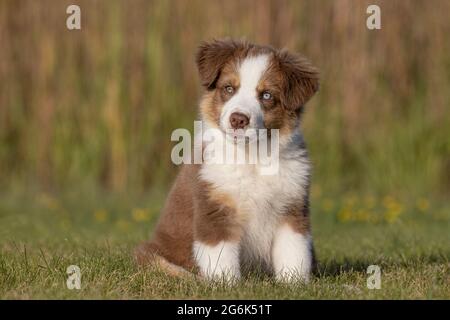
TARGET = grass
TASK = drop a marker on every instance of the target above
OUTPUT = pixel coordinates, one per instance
(98, 106)
(41, 236)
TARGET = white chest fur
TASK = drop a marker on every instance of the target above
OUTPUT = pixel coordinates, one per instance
(261, 199)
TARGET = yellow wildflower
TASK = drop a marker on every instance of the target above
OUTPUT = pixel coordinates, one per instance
(100, 215)
(391, 215)
(140, 215)
(344, 214)
(423, 204)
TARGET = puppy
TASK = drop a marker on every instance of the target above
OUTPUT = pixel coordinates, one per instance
(223, 220)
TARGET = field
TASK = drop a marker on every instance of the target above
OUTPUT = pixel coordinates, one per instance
(44, 237)
(86, 117)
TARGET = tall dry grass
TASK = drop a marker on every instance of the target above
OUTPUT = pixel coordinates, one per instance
(97, 106)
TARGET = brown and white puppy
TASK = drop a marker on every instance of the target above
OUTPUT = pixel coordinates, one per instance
(224, 219)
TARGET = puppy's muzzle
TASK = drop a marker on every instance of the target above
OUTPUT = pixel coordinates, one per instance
(239, 120)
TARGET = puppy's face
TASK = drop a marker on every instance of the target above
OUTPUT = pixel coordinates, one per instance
(253, 87)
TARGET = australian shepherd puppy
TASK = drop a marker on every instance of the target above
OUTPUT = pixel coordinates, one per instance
(223, 220)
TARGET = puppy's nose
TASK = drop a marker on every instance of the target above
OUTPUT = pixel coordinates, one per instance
(239, 120)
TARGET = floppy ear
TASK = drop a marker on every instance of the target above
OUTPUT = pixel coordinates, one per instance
(211, 58)
(301, 80)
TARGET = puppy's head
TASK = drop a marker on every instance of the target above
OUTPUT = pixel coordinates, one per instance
(253, 87)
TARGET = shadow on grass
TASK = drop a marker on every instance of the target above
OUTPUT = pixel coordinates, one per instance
(335, 268)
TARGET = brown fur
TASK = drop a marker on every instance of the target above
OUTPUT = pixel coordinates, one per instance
(215, 220)
(173, 235)
(194, 210)
(290, 78)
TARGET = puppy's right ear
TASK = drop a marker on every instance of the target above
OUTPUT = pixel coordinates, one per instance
(211, 58)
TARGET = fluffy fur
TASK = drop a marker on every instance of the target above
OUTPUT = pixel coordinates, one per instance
(222, 220)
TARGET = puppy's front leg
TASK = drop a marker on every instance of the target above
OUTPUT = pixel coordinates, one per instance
(218, 261)
(292, 254)
(216, 240)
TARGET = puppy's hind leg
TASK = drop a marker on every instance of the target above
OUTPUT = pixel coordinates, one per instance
(146, 255)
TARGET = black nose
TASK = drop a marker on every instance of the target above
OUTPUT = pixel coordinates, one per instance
(238, 120)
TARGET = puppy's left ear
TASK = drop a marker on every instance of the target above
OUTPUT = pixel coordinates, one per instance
(300, 80)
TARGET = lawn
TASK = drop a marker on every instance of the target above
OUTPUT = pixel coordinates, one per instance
(94, 109)
(41, 235)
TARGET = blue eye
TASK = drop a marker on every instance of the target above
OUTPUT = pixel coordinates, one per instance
(266, 95)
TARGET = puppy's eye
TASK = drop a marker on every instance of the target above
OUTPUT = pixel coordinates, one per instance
(229, 89)
(266, 95)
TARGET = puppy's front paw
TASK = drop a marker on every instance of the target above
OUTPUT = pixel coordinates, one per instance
(292, 255)
(218, 262)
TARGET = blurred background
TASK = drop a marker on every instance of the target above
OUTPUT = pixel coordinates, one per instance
(91, 111)
(86, 118)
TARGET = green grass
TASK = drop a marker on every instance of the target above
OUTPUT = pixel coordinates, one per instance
(40, 236)
(97, 108)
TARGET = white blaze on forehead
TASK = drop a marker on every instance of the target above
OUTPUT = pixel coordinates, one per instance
(246, 99)
(250, 72)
